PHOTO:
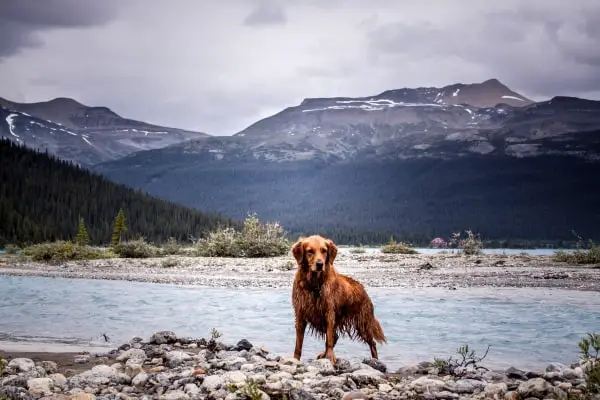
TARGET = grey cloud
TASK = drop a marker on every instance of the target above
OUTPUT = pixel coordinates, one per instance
(537, 50)
(22, 20)
(266, 13)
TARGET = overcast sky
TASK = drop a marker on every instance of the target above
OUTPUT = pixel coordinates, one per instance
(218, 66)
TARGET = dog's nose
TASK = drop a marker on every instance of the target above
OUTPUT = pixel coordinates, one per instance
(319, 265)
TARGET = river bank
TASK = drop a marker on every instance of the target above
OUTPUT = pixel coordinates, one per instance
(165, 366)
(372, 269)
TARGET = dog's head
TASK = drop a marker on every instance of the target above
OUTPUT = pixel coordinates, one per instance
(314, 253)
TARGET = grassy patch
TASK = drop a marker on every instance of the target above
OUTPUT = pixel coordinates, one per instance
(138, 248)
(62, 251)
(255, 240)
(393, 247)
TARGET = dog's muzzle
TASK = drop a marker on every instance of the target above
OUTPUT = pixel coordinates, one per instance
(319, 265)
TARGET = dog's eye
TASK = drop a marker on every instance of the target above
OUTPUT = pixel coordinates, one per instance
(310, 251)
(324, 251)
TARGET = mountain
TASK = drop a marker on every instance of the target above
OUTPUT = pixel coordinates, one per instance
(416, 163)
(82, 134)
(41, 199)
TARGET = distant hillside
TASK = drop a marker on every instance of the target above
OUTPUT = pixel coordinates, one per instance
(41, 199)
(83, 134)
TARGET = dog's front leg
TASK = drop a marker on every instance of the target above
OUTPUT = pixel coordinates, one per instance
(330, 338)
(300, 329)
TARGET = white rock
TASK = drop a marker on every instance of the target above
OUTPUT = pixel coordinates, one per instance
(140, 379)
(384, 388)
(425, 384)
(212, 382)
(21, 364)
(176, 358)
(324, 366)
(191, 389)
(234, 377)
(175, 395)
(279, 376)
(58, 379)
(40, 386)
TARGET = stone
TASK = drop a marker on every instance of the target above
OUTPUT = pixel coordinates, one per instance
(50, 367)
(212, 382)
(58, 379)
(425, 384)
(40, 386)
(176, 358)
(468, 385)
(132, 370)
(234, 377)
(354, 395)
(243, 345)
(21, 364)
(137, 355)
(376, 364)
(163, 337)
(536, 387)
(324, 366)
(81, 359)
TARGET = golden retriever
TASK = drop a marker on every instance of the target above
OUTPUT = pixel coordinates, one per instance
(330, 303)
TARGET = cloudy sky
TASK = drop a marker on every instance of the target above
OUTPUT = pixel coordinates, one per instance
(218, 66)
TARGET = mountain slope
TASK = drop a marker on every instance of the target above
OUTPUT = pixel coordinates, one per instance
(83, 134)
(41, 199)
(529, 173)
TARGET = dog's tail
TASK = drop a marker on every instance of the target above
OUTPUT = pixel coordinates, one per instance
(377, 332)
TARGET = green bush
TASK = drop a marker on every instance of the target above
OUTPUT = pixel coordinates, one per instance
(590, 354)
(397, 248)
(589, 255)
(471, 245)
(171, 247)
(138, 248)
(62, 251)
(255, 240)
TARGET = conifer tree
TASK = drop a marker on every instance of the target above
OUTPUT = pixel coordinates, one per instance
(119, 228)
(82, 238)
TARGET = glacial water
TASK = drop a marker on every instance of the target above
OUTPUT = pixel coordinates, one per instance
(527, 328)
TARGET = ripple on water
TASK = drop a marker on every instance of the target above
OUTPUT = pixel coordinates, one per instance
(526, 327)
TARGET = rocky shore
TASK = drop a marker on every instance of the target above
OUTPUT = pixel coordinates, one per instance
(372, 269)
(168, 367)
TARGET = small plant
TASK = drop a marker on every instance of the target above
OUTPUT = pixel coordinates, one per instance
(251, 390)
(289, 265)
(584, 253)
(397, 248)
(138, 248)
(2, 366)
(589, 348)
(466, 362)
(212, 343)
(357, 250)
(471, 245)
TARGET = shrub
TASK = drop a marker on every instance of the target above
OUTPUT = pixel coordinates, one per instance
(61, 251)
(169, 262)
(255, 240)
(11, 249)
(397, 248)
(471, 245)
(466, 362)
(138, 248)
(589, 255)
(590, 354)
(171, 247)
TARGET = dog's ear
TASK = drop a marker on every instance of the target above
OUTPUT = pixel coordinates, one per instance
(331, 251)
(298, 250)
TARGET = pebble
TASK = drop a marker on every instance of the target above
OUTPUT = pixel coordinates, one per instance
(165, 367)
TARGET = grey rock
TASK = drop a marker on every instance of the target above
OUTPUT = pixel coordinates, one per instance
(163, 337)
(536, 387)
(21, 364)
(375, 363)
(243, 345)
(468, 386)
(176, 358)
(40, 386)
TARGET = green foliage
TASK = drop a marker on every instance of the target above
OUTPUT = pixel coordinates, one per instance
(466, 362)
(119, 227)
(584, 254)
(397, 248)
(82, 238)
(470, 245)
(251, 390)
(11, 249)
(169, 262)
(589, 348)
(61, 251)
(137, 248)
(171, 247)
(42, 198)
(255, 240)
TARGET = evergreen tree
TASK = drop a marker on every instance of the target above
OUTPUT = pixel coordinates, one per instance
(82, 237)
(119, 228)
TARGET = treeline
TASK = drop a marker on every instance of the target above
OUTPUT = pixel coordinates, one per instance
(42, 199)
(509, 200)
